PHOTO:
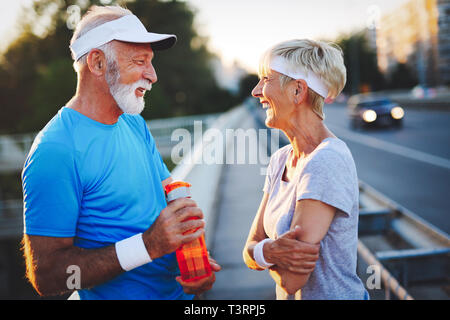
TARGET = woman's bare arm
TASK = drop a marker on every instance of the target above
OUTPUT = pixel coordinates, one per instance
(314, 217)
(286, 252)
(255, 235)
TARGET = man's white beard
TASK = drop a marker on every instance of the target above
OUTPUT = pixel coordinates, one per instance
(125, 94)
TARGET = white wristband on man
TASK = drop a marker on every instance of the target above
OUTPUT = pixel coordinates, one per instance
(258, 255)
(132, 252)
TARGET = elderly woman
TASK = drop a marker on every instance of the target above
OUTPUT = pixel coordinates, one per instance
(311, 187)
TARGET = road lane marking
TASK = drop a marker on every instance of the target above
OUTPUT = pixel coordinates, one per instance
(391, 147)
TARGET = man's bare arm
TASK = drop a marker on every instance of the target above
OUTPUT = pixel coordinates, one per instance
(48, 259)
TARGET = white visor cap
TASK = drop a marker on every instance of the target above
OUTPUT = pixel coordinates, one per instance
(128, 28)
(313, 81)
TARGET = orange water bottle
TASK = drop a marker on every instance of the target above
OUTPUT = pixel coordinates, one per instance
(192, 257)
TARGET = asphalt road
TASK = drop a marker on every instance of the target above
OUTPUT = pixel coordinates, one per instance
(410, 165)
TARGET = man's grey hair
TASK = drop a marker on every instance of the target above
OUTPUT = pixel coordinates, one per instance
(97, 15)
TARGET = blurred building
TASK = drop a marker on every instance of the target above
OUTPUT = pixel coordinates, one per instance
(416, 34)
(444, 40)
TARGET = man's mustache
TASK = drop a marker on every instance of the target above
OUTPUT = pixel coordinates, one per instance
(144, 84)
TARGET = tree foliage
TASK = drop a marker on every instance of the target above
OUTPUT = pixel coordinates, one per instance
(361, 63)
(402, 77)
(246, 85)
(37, 78)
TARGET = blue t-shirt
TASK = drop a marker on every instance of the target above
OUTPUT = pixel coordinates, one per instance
(100, 184)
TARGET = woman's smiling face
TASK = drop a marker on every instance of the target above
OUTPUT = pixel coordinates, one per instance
(273, 98)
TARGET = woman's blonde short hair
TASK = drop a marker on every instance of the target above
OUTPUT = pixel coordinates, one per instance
(325, 60)
(96, 15)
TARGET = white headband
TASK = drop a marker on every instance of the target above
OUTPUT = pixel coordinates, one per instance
(280, 65)
(128, 28)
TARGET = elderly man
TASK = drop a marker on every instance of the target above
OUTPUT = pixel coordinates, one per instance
(94, 205)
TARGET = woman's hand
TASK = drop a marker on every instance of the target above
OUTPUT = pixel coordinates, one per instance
(289, 253)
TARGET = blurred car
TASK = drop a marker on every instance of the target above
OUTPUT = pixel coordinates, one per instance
(365, 111)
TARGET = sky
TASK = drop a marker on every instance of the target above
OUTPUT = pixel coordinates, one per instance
(240, 30)
(243, 29)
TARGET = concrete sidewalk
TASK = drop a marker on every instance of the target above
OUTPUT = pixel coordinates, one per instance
(238, 198)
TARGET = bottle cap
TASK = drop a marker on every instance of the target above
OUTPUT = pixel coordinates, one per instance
(177, 189)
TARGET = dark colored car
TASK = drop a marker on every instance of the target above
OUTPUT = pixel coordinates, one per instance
(367, 111)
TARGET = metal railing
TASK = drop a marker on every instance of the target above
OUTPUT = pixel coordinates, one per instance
(412, 256)
(14, 148)
(162, 129)
(11, 219)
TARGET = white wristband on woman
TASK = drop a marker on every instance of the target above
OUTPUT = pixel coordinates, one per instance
(258, 255)
(132, 252)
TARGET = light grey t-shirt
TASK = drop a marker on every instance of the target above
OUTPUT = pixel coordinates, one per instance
(327, 174)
